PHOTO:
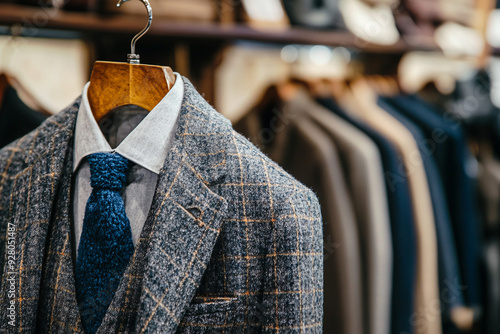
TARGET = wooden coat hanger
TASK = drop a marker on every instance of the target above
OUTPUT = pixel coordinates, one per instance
(386, 85)
(340, 91)
(114, 84)
(362, 95)
(483, 11)
(316, 87)
(277, 93)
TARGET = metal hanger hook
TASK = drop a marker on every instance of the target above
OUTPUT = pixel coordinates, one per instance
(134, 58)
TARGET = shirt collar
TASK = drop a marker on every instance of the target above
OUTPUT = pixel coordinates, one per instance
(147, 145)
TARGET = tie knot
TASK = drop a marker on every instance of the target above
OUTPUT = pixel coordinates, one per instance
(108, 171)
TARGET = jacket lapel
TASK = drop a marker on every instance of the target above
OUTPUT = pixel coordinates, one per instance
(30, 211)
(187, 215)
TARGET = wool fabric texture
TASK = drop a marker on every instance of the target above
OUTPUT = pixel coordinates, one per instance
(106, 242)
(232, 242)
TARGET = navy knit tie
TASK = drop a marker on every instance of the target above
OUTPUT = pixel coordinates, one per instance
(106, 242)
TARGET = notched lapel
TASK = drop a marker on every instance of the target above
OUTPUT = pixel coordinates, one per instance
(187, 217)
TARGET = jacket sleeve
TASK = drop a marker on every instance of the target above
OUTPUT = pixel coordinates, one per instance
(293, 297)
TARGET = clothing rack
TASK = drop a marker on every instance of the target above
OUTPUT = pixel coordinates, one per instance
(194, 48)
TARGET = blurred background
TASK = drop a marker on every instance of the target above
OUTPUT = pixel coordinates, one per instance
(233, 49)
(255, 60)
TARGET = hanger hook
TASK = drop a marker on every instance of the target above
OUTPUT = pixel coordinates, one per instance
(134, 58)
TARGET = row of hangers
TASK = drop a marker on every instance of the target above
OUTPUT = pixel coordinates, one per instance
(339, 89)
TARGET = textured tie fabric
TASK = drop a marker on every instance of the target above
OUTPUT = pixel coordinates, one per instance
(106, 241)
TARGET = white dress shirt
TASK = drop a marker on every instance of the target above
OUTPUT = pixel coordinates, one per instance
(142, 137)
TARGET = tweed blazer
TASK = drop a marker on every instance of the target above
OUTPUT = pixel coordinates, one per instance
(235, 244)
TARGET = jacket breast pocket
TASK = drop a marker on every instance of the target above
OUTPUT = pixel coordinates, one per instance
(212, 314)
(202, 305)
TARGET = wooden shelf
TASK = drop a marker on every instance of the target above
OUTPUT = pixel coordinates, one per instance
(46, 18)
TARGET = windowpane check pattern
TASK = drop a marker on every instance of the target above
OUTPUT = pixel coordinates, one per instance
(232, 243)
